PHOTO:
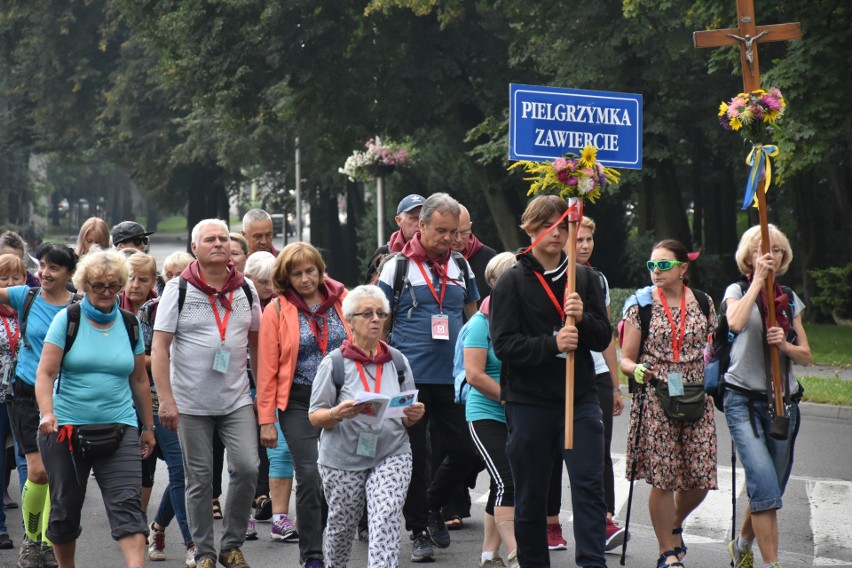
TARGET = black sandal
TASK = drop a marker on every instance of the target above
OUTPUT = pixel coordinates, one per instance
(217, 510)
(661, 561)
(680, 550)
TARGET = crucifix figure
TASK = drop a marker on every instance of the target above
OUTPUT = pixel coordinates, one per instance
(747, 34)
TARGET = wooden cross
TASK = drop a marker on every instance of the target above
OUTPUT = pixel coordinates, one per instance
(748, 35)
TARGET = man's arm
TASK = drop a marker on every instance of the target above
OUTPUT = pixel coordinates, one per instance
(160, 346)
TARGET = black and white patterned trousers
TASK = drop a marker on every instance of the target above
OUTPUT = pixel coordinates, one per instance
(384, 487)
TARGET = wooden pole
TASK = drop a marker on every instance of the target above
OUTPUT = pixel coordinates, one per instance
(570, 288)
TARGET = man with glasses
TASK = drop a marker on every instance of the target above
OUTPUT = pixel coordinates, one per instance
(474, 251)
(129, 234)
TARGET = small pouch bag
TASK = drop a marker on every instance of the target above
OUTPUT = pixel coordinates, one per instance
(98, 440)
(687, 408)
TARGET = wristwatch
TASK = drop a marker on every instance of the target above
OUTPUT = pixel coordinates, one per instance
(616, 389)
(148, 428)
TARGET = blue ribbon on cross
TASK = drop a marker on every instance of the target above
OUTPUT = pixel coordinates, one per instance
(758, 159)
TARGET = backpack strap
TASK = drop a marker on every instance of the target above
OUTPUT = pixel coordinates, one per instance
(463, 266)
(337, 375)
(399, 363)
(25, 311)
(703, 301)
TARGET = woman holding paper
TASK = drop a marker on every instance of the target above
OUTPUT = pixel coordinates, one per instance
(359, 458)
(299, 327)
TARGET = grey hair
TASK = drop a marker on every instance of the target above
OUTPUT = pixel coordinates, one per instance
(253, 215)
(13, 240)
(442, 203)
(353, 299)
(497, 266)
(196, 230)
(259, 265)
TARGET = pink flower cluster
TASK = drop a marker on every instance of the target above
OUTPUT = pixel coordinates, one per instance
(390, 155)
(571, 173)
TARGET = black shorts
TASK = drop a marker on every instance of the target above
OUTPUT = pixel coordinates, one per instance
(24, 415)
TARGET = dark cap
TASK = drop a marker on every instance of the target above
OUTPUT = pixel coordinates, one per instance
(127, 230)
(410, 202)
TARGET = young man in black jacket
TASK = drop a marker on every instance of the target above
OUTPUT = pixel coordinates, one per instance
(528, 310)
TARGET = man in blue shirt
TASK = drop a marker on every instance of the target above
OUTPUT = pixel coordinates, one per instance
(437, 288)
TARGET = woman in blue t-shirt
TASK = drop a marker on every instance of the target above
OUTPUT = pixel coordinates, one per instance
(56, 264)
(487, 424)
(92, 392)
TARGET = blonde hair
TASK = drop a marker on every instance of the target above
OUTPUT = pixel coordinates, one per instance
(588, 223)
(94, 225)
(291, 256)
(12, 264)
(141, 263)
(748, 243)
(497, 266)
(177, 259)
(540, 210)
(101, 264)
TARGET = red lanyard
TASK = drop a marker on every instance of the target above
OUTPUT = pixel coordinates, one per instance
(13, 339)
(220, 323)
(432, 288)
(321, 341)
(551, 295)
(379, 367)
(677, 342)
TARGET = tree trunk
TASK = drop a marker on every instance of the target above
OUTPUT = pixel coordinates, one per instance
(207, 197)
(502, 215)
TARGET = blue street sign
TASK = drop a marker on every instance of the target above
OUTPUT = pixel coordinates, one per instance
(547, 122)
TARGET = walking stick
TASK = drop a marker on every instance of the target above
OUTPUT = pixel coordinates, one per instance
(633, 468)
(733, 491)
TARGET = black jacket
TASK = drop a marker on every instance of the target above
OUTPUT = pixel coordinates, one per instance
(523, 320)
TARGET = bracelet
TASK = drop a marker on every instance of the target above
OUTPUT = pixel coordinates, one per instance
(331, 413)
(616, 389)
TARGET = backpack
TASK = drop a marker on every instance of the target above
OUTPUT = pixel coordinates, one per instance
(645, 320)
(182, 293)
(337, 373)
(718, 351)
(131, 324)
(461, 387)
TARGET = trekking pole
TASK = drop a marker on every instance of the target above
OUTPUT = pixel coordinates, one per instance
(733, 491)
(633, 468)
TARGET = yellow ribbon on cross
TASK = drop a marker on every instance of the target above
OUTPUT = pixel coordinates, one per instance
(758, 159)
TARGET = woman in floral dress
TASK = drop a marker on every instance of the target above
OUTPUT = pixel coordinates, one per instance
(677, 458)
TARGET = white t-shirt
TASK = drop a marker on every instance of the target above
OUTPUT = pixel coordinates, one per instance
(199, 390)
(597, 356)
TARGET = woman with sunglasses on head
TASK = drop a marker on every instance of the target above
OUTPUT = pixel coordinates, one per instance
(767, 461)
(300, 326)
(56, 265)
(676, 457)
(86, 392)
(360, 462)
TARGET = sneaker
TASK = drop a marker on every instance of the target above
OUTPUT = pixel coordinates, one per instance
(314, 563)
(555, 540)
(263, 509)
(615, 535)
(421, 547)
(513, 559)
(47, 559)
(251, 530)
(233, 558)
(6, 542)
(206, 562)
(284, 531)
(438, 530)
(157, 548)
(30, 554)
(740, 558)
(190, 557)
(495, 562)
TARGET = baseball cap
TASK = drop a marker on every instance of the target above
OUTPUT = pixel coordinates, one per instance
(410, 202)
(127, 230)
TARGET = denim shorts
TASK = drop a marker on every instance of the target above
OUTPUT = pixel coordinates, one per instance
(767, 461)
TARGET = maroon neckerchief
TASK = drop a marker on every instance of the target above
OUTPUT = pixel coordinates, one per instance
(414, 250)
(396, 242)
(7, 311)
(782, 303)
(350, 351)
(474, 245)
(126, 304)
(234, 280)
(331, 291)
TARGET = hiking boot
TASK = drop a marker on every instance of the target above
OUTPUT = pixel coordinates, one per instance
(421, 547)
(284, 531)
(47, 559)
(157, 548)
(263, 510)
(6, 542)
(233, 559)
(251, 530)
(438, 530)
(555, 540)
(206, 562)
(30, 554)
(190, 557)
(741, 558)
(615, 535)
(495, 562)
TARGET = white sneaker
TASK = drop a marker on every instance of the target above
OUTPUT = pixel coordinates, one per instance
(157, 548)
(190, 556)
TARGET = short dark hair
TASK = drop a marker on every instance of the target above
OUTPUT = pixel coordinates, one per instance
(57, 253)
(679, 250)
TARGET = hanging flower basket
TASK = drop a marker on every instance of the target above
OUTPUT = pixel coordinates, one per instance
(377, 160)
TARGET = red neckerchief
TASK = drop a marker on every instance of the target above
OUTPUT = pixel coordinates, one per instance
(8, 311)
(414, 250)
(782, 304)
(351, 351)
(126, 304)
(13, 339)
(677, 341)
(474, 245)
(192, 274)
(331, 291)
(396, 242)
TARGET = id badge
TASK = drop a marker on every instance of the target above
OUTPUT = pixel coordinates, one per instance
(367, 442)
(6, 372)
(555, 333)
(440, 327)
(221, 359)
(675, 381)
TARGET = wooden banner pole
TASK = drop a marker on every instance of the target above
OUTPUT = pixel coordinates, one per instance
(570, 288)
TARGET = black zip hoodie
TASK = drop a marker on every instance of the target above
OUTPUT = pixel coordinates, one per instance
(523, 319)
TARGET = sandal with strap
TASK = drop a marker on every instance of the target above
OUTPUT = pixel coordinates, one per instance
(680, 550)
(661, 561)
(217, 510)
(454, 523)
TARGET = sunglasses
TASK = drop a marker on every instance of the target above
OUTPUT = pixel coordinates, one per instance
(99, 287)
(662, 264)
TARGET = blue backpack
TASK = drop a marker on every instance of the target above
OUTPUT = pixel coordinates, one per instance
(462, 388)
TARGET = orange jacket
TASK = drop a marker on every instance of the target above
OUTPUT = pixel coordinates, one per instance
(278, 351)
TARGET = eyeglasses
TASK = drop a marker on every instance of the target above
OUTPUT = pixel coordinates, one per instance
(369, 315)
(98, 288)
(662, 264)
(463, 234)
